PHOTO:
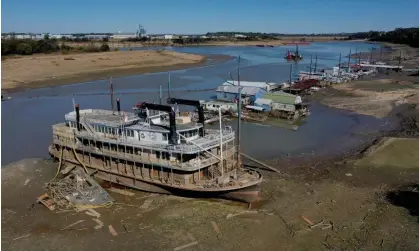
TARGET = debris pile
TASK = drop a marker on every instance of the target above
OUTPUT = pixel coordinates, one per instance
(75, 191)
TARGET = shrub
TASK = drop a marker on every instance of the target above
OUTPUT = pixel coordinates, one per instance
(105, 47)
(24, 49)
(65, 47)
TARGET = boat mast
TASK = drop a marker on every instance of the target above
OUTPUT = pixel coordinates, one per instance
(381, 52)
(349, 61)
(371, 54)
(340, 58)
(289, 87)
(356, 53)
(315, 65)
(311, 63)
(400, 59)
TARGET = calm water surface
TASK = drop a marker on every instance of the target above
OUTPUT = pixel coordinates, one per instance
(28, 116)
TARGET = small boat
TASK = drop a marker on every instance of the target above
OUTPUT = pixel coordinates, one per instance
(293, 56)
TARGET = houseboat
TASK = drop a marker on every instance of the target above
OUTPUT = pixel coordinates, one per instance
(155, 152)
(213, 106)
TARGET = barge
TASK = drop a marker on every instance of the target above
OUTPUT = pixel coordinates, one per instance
(158, 153)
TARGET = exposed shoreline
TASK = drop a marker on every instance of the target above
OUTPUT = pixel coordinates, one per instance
(391, 54)
(127, 65)
(116, 44)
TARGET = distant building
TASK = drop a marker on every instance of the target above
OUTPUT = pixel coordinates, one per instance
(168, 37)
(97, 36)
(239, 36)
(124, 35)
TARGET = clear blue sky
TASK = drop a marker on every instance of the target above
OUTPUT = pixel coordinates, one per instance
(201, 16)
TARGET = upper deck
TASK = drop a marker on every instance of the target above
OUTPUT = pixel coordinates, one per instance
(152, 132)
(128, 120)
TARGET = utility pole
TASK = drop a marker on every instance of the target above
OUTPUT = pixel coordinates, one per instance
(239, 163)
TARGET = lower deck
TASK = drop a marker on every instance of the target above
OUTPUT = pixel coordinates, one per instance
(138, 175)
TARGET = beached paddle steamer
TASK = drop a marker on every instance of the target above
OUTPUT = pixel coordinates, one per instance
(154, 150)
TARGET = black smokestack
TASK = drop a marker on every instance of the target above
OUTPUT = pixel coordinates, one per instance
(118, 105)
(77, 116)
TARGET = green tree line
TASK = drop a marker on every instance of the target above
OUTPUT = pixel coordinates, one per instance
(409, 36)
(46, 45)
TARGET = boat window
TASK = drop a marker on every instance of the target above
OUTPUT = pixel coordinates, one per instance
(165, 136)
(130, 133)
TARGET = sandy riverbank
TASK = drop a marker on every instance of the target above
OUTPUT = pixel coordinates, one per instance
(277, 42)
(50, 70)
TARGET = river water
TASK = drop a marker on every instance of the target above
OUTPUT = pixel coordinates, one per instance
(28, 116)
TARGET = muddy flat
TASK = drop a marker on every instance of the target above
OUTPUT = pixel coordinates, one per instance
(345, 212)
(39, 70)
(374, 97)
(392, 153)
